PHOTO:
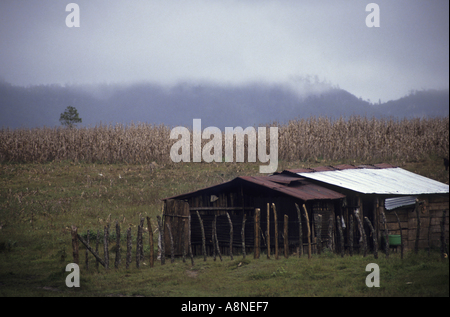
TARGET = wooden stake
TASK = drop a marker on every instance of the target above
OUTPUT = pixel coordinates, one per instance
(374, 237)
(275, 222)
(150, 240)
(363, 234)
(75, 245)
(231, 236)
(172, 251)
(189, 241)
(341, 235)
(141, 242)
(117, 259)
(286, 237)
(217, 240)
(243, 235)
(91, 250)
(87, 251)
(401, 234)
(256, 253)
(96, 248)
(161, 235)
(350, 236)
(444, 251)
(417, 210)
(330, 233)
(106, 246)
(429, 235)
(386, 233)
(138, 246)
(319, 232)
(183, 220)
(128, 261)
(300, 235)
(203, 235)
(268, 231)
(309, 231)
(213, 238)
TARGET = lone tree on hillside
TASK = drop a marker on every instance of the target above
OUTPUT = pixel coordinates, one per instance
(69, 117)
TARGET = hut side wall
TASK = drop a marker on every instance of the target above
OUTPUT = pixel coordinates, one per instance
(176, 213)
(431, 210)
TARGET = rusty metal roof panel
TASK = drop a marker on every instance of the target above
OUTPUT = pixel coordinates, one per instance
(284, 179)
(301, 189)
(379, 180)
(294, 186)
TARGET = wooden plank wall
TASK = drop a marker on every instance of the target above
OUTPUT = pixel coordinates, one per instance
(284, 205)
(432, 208)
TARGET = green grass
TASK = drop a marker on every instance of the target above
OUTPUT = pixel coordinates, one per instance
(39, 203)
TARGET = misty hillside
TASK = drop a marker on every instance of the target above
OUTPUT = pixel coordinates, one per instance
(218, 106)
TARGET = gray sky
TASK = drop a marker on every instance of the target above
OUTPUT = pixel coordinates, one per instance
(229, 42)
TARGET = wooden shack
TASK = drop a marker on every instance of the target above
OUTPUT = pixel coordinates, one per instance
(229, 202)
(373, 190)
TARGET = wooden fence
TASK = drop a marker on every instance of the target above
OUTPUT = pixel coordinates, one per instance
(187, 247)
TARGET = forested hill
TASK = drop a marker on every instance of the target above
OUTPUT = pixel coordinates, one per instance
(219, 106)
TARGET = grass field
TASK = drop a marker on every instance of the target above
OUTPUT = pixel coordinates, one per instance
(39, 203)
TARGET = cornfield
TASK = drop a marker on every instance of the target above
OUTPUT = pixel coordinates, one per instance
(303, 139)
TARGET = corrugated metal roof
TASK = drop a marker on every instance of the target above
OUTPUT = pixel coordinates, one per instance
(377, 179)
(290, 185)
(396, 202)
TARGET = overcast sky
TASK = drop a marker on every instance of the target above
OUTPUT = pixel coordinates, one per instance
(229, 42)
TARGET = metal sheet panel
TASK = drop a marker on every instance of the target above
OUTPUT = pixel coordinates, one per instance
(389, 181)
(396, 202)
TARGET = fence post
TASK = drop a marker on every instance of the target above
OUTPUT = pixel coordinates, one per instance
(243, 235)
(361, 231)
(417, 210)
(374, 237)
(300, 233)
(350, 236)
(87, 251)
(128, 261)
(189, 241)
(444, 250)
(231, 236)
(319, 232)
(286, 237)
(386, 233)
(401, 233)
(138, 246)
(96, 248)
(276, 229)
(150, 240)
(330, 233)
(268, 231)
(215, 238)
(75, 245)
(172, 253)
(161, 238)
(182, 233)
(117, 259)
(141, 242)
(256, 253)
(341, 235)
(203, 235)
(309, 231)
(106, 246)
